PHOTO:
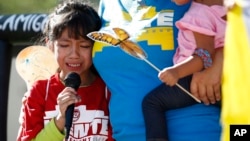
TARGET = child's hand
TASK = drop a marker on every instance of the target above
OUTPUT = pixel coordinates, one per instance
(67, 97)
(169, 76)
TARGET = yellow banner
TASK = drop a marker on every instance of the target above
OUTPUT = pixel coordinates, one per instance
(236, 69)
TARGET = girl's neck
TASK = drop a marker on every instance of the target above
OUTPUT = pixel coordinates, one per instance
(87, 80)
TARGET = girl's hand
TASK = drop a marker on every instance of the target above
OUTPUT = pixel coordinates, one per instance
(67, 97)
(169, 76)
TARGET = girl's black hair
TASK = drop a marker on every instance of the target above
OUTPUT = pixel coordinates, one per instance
(75, 15)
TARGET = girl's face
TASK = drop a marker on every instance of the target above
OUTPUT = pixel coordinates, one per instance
(181, 2)
(72, 55)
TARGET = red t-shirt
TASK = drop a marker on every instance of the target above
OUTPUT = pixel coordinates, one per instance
(91, 115)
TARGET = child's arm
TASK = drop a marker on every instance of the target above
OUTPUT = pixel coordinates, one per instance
(49, 132)
(193, 64)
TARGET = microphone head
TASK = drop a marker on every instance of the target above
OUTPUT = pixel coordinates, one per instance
(72, 80)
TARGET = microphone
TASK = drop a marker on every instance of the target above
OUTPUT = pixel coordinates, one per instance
(72, 80)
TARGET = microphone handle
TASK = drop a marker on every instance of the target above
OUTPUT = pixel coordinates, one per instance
(69, 117)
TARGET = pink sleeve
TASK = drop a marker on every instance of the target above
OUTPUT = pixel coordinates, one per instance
(202, 22)
(205, 20)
